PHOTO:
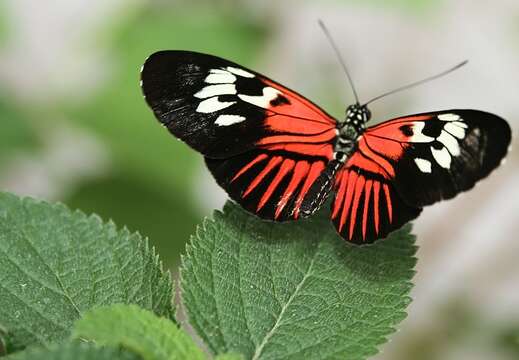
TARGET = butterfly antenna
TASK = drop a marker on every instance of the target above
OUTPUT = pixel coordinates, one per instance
(341, 60)
(405, 87)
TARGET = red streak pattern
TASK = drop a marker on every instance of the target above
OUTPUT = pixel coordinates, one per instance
(324, 137)
(359, 188)
(249, 165)
(367, 196)
(377, 159)
(324, 150)
(351, 179)
(271, 165)
(285, 167)
(300, 172)
(354, 199)
(376, 190)
(340, 185)
(388, 202)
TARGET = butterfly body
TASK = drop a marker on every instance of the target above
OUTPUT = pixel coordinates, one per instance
(349, 131)
(280, 156)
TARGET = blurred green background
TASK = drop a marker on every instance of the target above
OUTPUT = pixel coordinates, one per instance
(75, 128)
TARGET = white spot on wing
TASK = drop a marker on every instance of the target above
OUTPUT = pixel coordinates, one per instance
(220, 78)
(240, 72)
(418, 136)
(460, 124)
(442, 157)
(457, 131)
(423, 165)
(262, 101)
(450, 142)
(449, 117)
(213, 104)
(214, 90)
(218, 71)
(226, 120)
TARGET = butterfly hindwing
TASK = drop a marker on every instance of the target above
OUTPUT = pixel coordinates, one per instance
(271, 185)
(367, 207)
(222, 109)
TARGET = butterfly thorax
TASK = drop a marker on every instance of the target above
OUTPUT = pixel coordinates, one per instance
(350, 130)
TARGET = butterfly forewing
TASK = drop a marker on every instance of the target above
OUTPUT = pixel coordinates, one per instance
(434, 156)
(222, 109)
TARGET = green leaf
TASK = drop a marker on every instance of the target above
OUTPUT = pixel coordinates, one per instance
(157, 215)
(293, 290)
(230, 356)
(3, 341)
(76, 351)
(138, 330)
(56, 264)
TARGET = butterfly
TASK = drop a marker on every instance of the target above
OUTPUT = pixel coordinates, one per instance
(280, 156)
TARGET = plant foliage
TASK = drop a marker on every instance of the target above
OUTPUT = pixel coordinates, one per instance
(73, 287)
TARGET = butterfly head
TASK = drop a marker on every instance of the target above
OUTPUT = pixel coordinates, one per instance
(357, 115)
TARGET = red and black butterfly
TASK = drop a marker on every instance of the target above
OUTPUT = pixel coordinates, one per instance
(280, 156)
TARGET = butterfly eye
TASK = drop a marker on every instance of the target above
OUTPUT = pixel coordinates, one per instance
(367, 113)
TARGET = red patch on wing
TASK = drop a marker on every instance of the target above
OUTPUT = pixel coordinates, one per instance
(297, 107)
(359, 188)
(294, 124)
(244, 169)
(365, 211)
(285, 167)
(351, 179)
(384, 144)
(300, 171)
(387, 168)
(323, 150)
(358, 196)
(390, 128)
(376, 204)
(388, 202)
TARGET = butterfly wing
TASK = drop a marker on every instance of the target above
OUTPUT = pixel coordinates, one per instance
(406, 163)
(222, 109)
(367, 206)
(435, 156)
(269, 184)
(264, 143)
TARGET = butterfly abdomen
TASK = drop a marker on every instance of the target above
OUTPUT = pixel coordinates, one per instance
(320, 189)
